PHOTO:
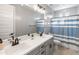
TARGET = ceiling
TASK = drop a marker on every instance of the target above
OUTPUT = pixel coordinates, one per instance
(54, 7)
(61, 6)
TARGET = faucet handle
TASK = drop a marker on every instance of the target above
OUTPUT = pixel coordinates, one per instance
(11, 34)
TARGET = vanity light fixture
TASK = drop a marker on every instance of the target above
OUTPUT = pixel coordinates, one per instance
(39, 8)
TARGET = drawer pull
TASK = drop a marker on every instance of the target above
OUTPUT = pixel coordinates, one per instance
(42, 46)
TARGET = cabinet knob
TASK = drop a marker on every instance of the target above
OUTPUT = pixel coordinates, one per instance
(42, 46)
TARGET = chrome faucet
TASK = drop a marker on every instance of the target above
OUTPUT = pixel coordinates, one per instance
(14, 40)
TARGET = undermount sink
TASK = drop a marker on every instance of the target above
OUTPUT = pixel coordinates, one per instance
(24, 44)
(17, 48)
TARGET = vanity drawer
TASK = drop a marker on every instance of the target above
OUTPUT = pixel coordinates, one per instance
(43, 46)
(35, 51)
(43, 49)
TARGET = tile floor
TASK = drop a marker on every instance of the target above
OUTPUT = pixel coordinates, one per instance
(64, 51)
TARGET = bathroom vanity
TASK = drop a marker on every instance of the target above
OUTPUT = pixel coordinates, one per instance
(37, 45)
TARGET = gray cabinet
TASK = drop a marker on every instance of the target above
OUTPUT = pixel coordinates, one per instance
(49, 47)
(44, 49)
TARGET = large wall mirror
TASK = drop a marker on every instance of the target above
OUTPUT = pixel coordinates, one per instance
(17, 19)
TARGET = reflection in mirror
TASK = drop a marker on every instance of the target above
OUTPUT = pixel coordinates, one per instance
(24, 20)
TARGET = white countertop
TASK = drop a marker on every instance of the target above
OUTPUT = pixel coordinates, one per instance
(25, 45)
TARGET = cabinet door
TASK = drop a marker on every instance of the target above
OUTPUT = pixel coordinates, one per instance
(47, 50)
(49, 47)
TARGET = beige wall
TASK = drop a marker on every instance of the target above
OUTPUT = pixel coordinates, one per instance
(6, 20)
